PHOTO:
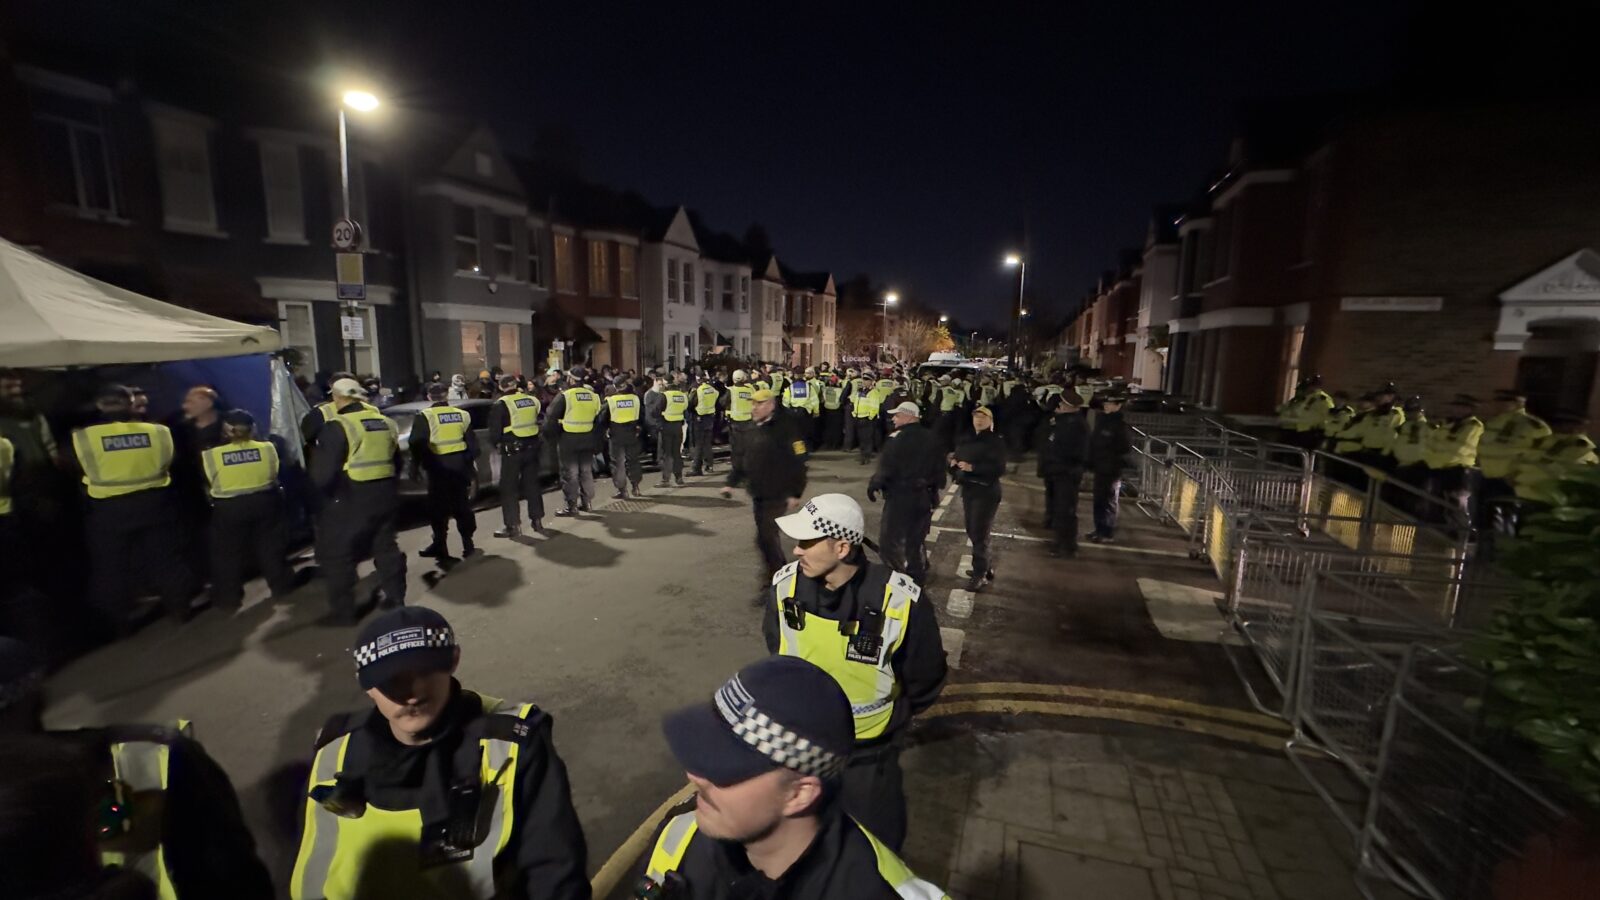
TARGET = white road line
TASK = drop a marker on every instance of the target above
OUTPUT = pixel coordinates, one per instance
(937, 514)
(960, 604)
(1182, 612)
(964, 567)
(952, 638)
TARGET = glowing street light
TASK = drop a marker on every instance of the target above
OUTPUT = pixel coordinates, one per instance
(889, 299)
(1015, 261)
(943, 319)
(360, 101)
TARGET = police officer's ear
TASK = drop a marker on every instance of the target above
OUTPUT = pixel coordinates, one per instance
(802, 794)
(455, 658)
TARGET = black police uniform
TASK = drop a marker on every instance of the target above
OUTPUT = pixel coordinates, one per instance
(627, 466)
(772, 464)
(1109, 446)
(911, 473)
(702, 433)
(980, 492)
(250, 527)
(1063, 455)
(357, 520)
(872, 789)
(450, 482)
(576, 451)
(520, 469)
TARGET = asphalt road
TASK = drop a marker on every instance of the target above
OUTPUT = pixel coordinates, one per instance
(638, 608)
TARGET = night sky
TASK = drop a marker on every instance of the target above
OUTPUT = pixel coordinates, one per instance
(914, 146)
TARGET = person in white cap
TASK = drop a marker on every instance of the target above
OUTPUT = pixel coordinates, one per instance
(911, 473)
(862, 623)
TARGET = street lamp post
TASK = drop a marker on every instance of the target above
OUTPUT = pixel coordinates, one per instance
(1021, 265)
(360, 101)
(883, 348)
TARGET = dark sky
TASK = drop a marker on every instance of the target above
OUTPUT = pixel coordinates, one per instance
(899, 140)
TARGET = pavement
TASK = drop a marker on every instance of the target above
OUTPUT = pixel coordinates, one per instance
(1092, 742)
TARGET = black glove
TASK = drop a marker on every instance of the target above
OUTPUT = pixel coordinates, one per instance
(872, 494)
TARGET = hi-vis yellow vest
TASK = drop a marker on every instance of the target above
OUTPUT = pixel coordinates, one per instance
(871, 685)
(866, 403)
(1505, 437)
(624, 408)
(740, 402)
(234, 470)
(447, 429)
(667, 856)
(140, 762)
(522, 415)
(371, 439)
(705, 400)
(8, 461)
(335, 852)
(120, 458)
(1411, 441)
(832, 397)
(583, 407)
(677, 405)
(1454, 445)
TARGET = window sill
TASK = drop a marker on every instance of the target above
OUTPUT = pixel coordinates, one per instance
(89, 215)
(195, 230)
(286, 241)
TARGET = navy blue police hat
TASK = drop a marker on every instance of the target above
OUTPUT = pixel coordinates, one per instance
(779, 712)
(411, 639)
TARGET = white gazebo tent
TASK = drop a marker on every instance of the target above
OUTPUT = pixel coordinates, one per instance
(53, 317)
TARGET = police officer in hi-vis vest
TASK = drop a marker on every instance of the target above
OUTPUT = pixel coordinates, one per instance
(572, 415)
(436, 791)
(514, 431)
(703, 424)
(354, 471)
(738, 405)
(619, 418)
(248, 516)
(765, 758)
(445, 449)
(126, 468)
(666, 408)
(143, 801)
(862, 623)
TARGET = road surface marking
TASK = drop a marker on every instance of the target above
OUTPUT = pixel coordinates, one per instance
(1126, 698)
(952, 638)
(938, 513)
(959, 606)
(1185, 613)
(964, 567)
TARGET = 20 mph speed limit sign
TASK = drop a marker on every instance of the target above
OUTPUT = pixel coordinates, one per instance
(346, 234)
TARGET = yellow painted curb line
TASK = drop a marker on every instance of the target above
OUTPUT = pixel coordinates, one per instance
(622, 859)
(1128, 698)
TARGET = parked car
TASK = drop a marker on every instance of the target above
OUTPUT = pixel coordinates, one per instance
(404, 414)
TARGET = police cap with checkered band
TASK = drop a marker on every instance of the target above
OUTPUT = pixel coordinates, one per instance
(779, 712)
(836, 516)
(408, 640)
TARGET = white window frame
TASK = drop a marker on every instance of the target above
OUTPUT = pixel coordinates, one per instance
(457, 238)
(311, 362)
(744, 293)
(72, 88)
(631, 253)
(536, 271)
(686, 273)
(600, 251)
(672, 349)
(710, 294)
(189, 137)
(296, 236)
(672, 280)
(510, 249)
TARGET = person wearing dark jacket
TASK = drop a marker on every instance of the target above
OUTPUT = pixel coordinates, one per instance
(354, 470)
(619, 419)
(980, 461)
(1063, 455)
(766, 821)
(892, 666)
(911, 473)
(571, 415)
(444, 448)
(1109, 446)
(437, 791)
(514, 431)
(179, 823)
(771, 467)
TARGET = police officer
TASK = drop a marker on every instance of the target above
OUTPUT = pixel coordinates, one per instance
(572, 415)
(797, 401)
(833, 421)
(910, 475)
(772, 469)
(765, 817)
(248, 518)
(1063, 455)
(1451, 453)
(1506, 437)
(864, 409)
(666, 408)
(1536, 470)
(1338, 417)
(126, 468)
(354, 469)
(862, 623)
(703, 425)
(1408, 454)
(165, 809)
(323, 412)
(1381, 428)
(445, 449)
(514, 430)
(436, 791)
(980, 461)
(737, 405)
(620, 420)
(1109, 446)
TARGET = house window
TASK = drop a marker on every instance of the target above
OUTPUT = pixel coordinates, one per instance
(599, 269)
(280, 182)
(510, 347)
(672, 281)
(744, 346)
(627, 277)
(366, 348)
(299, 334)
(744, 293)
(564, 261)
(727, 292)
(688, 348)
(466, 240)
(474, 351)
(536, 254)
(672, 349)
(74, 153)
(688, 283)
(183, 154)
(505, 249)
(710, 288)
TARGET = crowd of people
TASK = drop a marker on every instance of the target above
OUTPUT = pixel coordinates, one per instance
(1484, 469)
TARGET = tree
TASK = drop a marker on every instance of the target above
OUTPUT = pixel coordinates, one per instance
(921, 335)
